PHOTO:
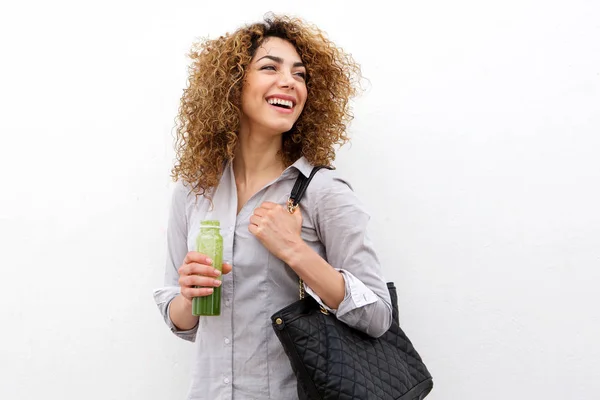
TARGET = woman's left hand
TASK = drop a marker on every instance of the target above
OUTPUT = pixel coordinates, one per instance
(277, 229)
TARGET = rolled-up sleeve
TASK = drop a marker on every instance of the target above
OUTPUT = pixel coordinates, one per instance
(176, 251)
(342, 227)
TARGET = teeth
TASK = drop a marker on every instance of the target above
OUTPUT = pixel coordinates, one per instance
(287, 103)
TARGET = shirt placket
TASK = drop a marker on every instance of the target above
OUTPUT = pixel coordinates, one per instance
(227, 195)
(227, 310)
(227, 315)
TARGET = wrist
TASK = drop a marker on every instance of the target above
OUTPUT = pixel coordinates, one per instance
(187, 303)
(180, 313)
(183, 303)
(296, 253)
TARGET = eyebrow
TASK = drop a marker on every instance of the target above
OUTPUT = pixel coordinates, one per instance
(279, 60)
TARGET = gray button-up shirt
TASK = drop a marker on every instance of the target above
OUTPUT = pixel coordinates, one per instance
(237, 355)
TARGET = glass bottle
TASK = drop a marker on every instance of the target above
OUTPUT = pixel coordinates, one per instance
(210, 243)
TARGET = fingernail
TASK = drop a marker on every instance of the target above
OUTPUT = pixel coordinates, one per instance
(209, 261)
(217, 282)
(210, 291)
(217, 272)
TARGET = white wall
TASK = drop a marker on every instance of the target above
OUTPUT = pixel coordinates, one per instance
(475, 147)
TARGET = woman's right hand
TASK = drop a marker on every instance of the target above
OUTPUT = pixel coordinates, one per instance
(197, 276)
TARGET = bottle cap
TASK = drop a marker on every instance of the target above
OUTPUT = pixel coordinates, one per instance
(210, 224)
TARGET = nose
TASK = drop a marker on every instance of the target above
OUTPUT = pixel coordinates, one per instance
(286, 80)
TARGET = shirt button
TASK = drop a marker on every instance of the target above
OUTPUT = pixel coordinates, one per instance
(227, 303)
(227, 341)
(226, 380)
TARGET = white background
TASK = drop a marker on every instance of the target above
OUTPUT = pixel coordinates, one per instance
(475, 147)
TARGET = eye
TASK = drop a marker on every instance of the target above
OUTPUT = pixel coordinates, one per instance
(301, 75)
(268, 67)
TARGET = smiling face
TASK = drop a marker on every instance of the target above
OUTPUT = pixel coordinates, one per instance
(274, 91)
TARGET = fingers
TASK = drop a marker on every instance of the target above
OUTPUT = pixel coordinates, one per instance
(195, 257)
(260, 211)
(197, 286)
(190, 293)
(198, 280)
(190, 281)
(226, 268)
(270, 211)
(198, 269)
(253, 229)
(255, 220)
(267, 208)
(269, 205)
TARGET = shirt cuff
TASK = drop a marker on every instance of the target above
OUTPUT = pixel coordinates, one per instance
(357, 294)
(163, 298)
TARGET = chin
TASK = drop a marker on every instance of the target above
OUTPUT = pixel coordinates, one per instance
(281, 128)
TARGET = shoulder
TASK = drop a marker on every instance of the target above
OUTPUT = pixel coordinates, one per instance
(331, 204)
(182, 191)
(331, 192)
(328, 182)
(184, 199)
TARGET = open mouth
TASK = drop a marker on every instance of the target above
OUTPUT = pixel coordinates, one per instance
(280, 103)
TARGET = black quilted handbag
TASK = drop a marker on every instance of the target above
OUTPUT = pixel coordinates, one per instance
(333, 361)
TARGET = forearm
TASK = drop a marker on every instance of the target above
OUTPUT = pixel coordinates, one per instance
(180, 312)
(321, 277)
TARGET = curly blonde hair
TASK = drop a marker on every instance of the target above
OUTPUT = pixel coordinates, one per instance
(210, 109)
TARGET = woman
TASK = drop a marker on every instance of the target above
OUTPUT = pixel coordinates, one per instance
(263, 105)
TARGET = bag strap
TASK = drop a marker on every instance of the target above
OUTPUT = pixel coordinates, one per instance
(293, 202)
(300, 187)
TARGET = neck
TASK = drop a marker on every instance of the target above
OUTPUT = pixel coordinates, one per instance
(257, 158)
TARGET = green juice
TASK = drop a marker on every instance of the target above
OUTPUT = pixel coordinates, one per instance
(210, 243)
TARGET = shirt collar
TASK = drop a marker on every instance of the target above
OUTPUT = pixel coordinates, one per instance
(303, 166)
(300, 164)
